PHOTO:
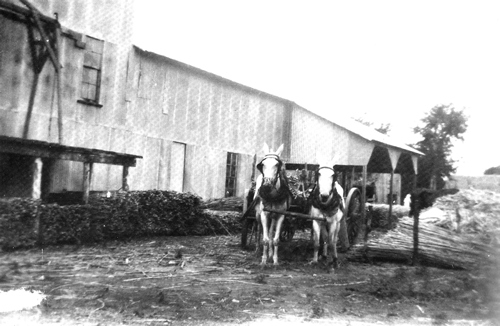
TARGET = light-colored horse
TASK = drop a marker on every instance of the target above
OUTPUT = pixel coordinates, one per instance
(273, 192)
(327, 201)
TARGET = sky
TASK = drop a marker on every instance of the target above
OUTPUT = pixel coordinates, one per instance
(384, 61)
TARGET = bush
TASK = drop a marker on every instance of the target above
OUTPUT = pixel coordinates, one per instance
(131, 214)
(18, 223)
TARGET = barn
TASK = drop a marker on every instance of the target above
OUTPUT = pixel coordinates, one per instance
(91, 112)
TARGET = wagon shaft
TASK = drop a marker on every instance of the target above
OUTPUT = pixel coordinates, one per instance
(299, 215)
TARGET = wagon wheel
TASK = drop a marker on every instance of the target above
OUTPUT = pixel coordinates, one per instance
(287, 231)
(353, 214)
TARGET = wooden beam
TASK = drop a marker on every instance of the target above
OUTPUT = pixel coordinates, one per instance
(47, 172)
(125, 172)
(45, 38)
(390, 194)
(299, 215)
(87, 179)
(59, 152)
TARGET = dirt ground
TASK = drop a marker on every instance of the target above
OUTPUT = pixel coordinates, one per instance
(212, 281)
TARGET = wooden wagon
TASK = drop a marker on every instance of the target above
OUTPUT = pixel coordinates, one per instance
(301, 177)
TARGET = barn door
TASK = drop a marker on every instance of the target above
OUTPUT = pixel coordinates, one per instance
(177, 163)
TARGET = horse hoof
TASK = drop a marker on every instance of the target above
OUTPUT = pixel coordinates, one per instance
(313, 262)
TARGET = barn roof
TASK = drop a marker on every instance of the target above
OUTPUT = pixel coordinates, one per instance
(359, 129)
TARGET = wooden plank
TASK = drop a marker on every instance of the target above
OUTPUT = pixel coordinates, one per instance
(298, 215)
(49, 150)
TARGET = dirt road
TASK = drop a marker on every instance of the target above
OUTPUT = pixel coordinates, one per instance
(212, 281)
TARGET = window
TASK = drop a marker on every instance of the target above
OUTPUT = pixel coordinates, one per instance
(231, 168)
(92, 66)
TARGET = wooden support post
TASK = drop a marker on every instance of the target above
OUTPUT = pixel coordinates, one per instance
(59, 85)
(47, 172)
(416, 216)
(45, 188)
(31, 102)
(352, 179)
(125, 171)
(87, 178)
(363, 195)
(36, 183)
(390, 194)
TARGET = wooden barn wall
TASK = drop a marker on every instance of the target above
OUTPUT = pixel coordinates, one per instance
(171, 102)
(83, 125)
(314, 139)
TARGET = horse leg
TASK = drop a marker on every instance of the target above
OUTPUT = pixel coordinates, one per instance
(272, 230)
(325, 238)
(265, 237)
(276, 240)
(316, 229)
(333, 236)
(258, 238)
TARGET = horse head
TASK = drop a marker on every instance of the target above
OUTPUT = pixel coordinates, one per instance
(325, 183)
(270, 166)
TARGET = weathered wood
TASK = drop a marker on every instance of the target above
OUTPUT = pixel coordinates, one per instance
(36, 172)
(45, 38)
(298, 215)
(125, 172)
(47, 172)
(59, 85)
(43, 149)
(87, 173)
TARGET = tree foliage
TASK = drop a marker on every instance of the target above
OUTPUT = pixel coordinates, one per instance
(492, 170)
(442, 125)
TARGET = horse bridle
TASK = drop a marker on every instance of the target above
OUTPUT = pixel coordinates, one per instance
(280, 164)
(331, 195)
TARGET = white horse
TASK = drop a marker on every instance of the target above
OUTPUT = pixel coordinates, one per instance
(273, 192)
(327, 201)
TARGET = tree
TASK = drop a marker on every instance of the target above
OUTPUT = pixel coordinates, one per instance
(492, 170)
(442, 125)
(384, 128)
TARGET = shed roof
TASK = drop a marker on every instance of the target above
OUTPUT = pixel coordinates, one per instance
(373, 135)
(30, 147)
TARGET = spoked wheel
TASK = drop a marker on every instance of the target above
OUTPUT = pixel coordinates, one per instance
(354, 217)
